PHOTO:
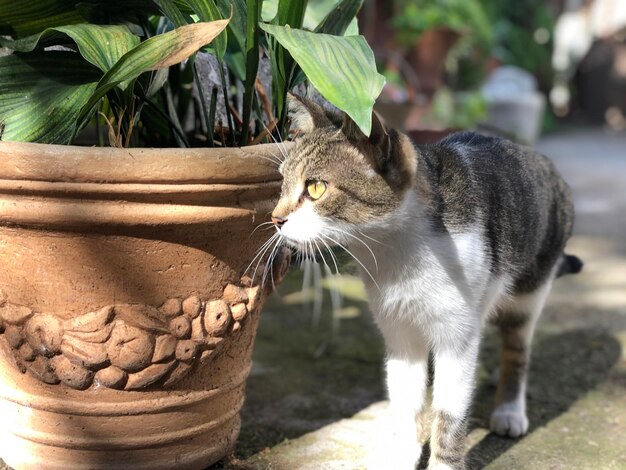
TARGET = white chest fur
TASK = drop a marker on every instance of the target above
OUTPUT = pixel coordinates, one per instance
(438, 282)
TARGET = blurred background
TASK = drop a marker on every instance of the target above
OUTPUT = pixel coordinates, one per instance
(518, 68)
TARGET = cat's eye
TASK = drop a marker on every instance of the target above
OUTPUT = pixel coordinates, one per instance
(315, 189)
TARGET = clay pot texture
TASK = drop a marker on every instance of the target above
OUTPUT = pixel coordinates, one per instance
(428, 57)
(126, 320)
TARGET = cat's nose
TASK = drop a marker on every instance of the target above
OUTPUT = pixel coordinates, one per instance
(279, 221)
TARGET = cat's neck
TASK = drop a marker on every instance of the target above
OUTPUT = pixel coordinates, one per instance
(403, 232)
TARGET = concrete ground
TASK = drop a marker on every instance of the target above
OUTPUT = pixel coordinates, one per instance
(316, 387)
(315, 390)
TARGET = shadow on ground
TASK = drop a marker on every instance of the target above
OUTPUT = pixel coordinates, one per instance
(305, 377)
(565, 368)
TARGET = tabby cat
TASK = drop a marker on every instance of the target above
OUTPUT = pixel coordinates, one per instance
(449, 235)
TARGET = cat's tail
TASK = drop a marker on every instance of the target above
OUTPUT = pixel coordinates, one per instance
(570, 264)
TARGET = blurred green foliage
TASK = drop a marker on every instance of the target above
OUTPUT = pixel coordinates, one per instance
(467, 17)
(513, 32)
(523, 32)
(457, 110)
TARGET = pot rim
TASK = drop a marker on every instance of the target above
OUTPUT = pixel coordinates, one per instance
(74, 164)
(86, 188)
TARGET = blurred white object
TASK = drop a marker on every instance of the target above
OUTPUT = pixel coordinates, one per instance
(574, 33)
(514, 106)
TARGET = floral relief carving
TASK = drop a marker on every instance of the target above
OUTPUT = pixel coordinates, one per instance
(125, 346)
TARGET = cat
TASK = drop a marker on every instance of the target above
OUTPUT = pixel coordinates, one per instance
(448, 236)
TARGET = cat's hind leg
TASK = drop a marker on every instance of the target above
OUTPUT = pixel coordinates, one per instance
(516, 320)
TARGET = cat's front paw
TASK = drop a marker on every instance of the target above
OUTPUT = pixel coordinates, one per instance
(507, 422)
(389, 455)
(391, 459)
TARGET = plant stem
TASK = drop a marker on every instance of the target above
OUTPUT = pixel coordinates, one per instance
(252, 66)
(179, 135)
(163, 114)
(212, 109)
(205, 109)
(229, 117)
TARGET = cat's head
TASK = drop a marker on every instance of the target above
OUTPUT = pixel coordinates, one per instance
(336, 180)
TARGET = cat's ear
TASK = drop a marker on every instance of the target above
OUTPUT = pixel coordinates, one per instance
(378, 141)
(378, 135)
(305, 114)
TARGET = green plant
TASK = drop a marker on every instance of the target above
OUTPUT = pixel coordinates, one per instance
(456, 110)
(523, 34)
(465, 63)
(131, 66)
(413, 17)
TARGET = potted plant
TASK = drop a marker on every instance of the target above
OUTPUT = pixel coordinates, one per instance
(429, 29)
(127, 308)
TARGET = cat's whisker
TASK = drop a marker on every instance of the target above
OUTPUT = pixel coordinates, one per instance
(266, 246)
(335, 295)
(318, 295)
(331, 255)
(309, 251)
(336, 300)
(320, 252)
(259, 252)
(373, 239)
(260, 260)
(282, 142)
(306, 284)
(282, 150)
(278, 157)
(270, 160)
(359, 240)
(268, 264)
(261, 225)
(355, 259)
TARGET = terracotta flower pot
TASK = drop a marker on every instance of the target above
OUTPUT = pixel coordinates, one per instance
(127, 322)
(428, 57)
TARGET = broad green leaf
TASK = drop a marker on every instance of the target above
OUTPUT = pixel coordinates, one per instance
(339, 18)
(173, 13)
(291, 12)
(39, 100)
(207, 11)
(353, 28)
(21, 18)
(235, 55)
(102, 46)
(339, 21)
(236, 62)
(237, 25)
(155, 53)
(342, 69)
(269, 10)
(284, 69)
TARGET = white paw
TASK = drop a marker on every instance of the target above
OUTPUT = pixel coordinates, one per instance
(391, 460)
(388, 455)
(509, 423)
